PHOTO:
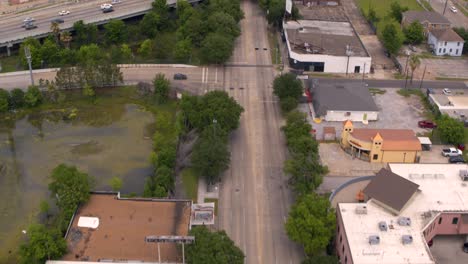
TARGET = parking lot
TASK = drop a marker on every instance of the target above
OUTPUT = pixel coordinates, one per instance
(444, 67)
(448, 250)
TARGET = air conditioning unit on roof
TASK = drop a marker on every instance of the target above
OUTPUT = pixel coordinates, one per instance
(404, 221)
(464, 175)
(361, 209)
(374, 240)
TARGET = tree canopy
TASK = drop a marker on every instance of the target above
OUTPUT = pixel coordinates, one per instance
(321, 260)
(162, 87)
(4, 98)
(414, 33)
(216, 48)
(450, 130)
(311, 223)
(116, 32)
(212, 248)
(33, 96)
(392, 38)
(42, 244)
(286, 85)
(397, 10)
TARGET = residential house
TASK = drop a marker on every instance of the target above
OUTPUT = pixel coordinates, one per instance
(429, 20)
(445, 42)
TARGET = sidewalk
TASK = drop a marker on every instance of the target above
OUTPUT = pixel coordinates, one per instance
(203, 193)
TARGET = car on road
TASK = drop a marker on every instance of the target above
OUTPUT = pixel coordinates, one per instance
(64, 12)
(116, 1)
(457, 159)
(106, 5)
(426, 124)
(453, 9)
(29, 26)
(108, 9)
(180, 76)
(451, 152)
(28, 19)
(57, 20)
(447, 91)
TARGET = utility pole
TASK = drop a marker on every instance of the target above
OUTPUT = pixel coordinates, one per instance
(445, 7)
(406, 79)
(27, 53)
(422, 79)
(348, 53)
(364, 72)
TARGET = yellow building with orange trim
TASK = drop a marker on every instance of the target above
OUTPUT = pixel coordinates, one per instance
(381, 145)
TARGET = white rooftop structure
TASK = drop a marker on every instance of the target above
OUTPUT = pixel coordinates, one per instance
(441, 190)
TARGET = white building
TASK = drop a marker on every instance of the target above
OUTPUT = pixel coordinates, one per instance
(325, 46)
(445, 42)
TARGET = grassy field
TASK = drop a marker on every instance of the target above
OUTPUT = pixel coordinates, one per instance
(383, 7)
(9, 64)
(190, 182)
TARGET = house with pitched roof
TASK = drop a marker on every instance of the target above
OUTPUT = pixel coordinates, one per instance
(381, 145)
(445, 42)
(429, 20)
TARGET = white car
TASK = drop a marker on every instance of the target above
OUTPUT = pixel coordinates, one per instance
(28, 19)
(451, 152)
(105, 6)
(453, 9)
(64, 12)
(447, 91)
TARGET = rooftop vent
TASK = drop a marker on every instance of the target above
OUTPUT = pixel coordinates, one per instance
(404, 221)
(406, 239)
(374, 240)
(361, 209)
(464, 175)
(383, 226)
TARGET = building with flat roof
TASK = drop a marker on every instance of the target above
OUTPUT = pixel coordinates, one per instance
(381, 145)
(408, 206)
(455, 105)
(341, 102)
(113, 229)
(325, 41)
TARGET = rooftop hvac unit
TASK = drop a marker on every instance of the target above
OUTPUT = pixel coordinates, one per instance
(404, 221)
(464, 175)
(383, 226)
(374, 240)
(361, 209)
(406, 239)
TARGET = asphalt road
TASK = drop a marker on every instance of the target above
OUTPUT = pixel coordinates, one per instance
(10, 26)
(254, 198)
(398, 83)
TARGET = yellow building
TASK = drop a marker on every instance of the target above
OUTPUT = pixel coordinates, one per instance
(381, 145)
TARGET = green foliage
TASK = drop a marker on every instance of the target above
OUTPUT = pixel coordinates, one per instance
(90, 54)
(126, 52)
(231, 7)
(396, 11)
(392, 38)
(33, 96)
(212, 248)
(288, 104)
(223, 23)
(372, 15)
(450, 130)
(183, 50)
(35, 49)
(43, 244)
(50, 52)
(210, 154)
(4, 99)
(146, 48)
(296, 125)
(116, 183)
(321, 260)
(85, 34)
(149, 24)
(414, 33)
(162, 87)
(16, 98)
(88, 91)
(216, 48)
(71, 187)
(276, 9)
(464, 34)
(162, 10)
(44, 207)
(193, 29)
(311, 223)
(116, 32)
(286, 85)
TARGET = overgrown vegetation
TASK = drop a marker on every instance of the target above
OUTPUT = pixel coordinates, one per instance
(289, 90)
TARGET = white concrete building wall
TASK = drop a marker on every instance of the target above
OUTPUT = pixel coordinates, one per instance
(335, 64)
(445, 48)
(353, 116)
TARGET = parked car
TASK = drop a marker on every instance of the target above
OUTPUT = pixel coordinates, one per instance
(451, 152)
(106, 5)
(453, 9)
(64, 12)
(447, 91)
(180, 76)
(427, 124)
(108, 9)
(57, 20)
(457, 159)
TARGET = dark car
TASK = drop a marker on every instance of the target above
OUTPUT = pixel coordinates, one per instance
(427, 124)
(457, 159)
(30, 26)
(465, 245)
(180, 76)
(57, 20)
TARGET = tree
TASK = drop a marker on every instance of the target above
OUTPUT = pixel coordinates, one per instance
(149, 24)
(372, 15)
(116, 32)
(162, 10)
(450, 130)
(16, 98)
(414, 33)
(162, 87)
(55, 28)
(302, 144)
(183, 50)
(43, 244)
(311, 223)
(305, 171)
(287, 85)
(85, 33)
(4, 98)
(296, 125)
(212, 248)
(216, 48)
(90, 54)
(396, 11)
(146, 48)
(223, 23)
(194, 29)
(184, 11)
(210, 154)
(66, 38)
(88, 91)
(70, 186)
(414, 63)
(288, 104)
(464, 34)
(33, 96)
(126, 52)
(321, 260)
(116, 183)
(392, 38)
(276, 9)
(44, 207)
(34, 47)
(231, 7)
(50, 52)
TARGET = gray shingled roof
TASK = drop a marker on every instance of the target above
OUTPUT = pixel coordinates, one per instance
(390, 189)
(421, 16)
(342, 97)
(446, 35)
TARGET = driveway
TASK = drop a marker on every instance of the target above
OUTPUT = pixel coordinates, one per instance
(457, 19)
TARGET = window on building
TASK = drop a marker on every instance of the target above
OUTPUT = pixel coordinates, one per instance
(456, 52)
(346, 260)
(341, 238)
(347, 114)
(440, 50)
(458, 44)
(454, 220)
(440, 220)
(444, 50)
(375, 157)
(445, 44)
(342, 249)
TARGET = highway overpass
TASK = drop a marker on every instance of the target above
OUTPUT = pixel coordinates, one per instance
(12, 32)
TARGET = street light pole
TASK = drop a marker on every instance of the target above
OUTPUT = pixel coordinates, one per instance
(27, 53)
(422, 79)
(445, 7)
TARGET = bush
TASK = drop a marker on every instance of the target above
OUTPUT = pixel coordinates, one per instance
(288, 104)
(16, 98)
(4, 98)
(33, 96)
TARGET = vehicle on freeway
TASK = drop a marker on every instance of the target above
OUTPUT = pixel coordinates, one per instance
(453, 9)
(106, 5)
(457, 159)
(64, 12)
(426, 124)
(451, 152)
(57, 20)
(116, 1)
(29, 26)
(108, 9)
(180, 76)
(447, 91)
(28, 19)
